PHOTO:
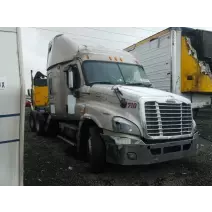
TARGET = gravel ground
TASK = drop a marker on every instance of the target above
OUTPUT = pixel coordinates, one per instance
(50, 162)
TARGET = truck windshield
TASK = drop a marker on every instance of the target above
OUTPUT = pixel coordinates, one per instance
(97, 72)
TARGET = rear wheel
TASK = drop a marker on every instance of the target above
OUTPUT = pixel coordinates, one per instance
(96, 151)
(32, 122)
(40, 123)
(52, 129)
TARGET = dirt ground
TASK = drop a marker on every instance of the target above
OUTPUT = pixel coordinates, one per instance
(50, 162)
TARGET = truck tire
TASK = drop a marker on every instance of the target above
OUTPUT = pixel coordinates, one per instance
(53, 128)
(96, 151)
(195, 112)
(32, 122)
(40, 124)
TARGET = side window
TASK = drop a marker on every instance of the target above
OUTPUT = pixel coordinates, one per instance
(49, 52)
(50, 86)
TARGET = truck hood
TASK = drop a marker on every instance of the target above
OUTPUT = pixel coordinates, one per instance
(134, 92)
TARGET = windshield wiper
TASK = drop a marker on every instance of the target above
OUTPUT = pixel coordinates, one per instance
(101, 82)
(119, 94)
(139, 84)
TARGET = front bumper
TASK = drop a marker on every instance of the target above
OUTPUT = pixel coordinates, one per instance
(144, 154)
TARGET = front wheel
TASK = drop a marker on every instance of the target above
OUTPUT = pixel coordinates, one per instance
(96, 151)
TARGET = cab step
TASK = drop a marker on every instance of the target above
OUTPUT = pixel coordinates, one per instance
(67, 140)
(69, 126)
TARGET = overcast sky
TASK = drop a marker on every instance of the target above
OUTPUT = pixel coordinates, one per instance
(35, 41)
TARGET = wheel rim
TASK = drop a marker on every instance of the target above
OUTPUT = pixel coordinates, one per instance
(89, 148)
(31, 123)
(37, 126)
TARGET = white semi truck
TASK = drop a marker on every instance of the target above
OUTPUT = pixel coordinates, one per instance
(179, 60)
(12, 108)
(102, 102)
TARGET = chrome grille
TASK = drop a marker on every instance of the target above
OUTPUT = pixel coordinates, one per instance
(163, 119)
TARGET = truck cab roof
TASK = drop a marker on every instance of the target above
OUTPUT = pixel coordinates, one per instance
(63, 50)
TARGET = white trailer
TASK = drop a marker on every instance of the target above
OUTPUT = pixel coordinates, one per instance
(179, 60)
(12, 108)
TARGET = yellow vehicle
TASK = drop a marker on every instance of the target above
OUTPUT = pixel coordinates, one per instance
(179, 60)
(39, 96)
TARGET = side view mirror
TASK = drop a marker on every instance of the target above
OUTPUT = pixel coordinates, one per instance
(70, 80)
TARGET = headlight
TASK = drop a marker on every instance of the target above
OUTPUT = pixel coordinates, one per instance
(121, 125)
